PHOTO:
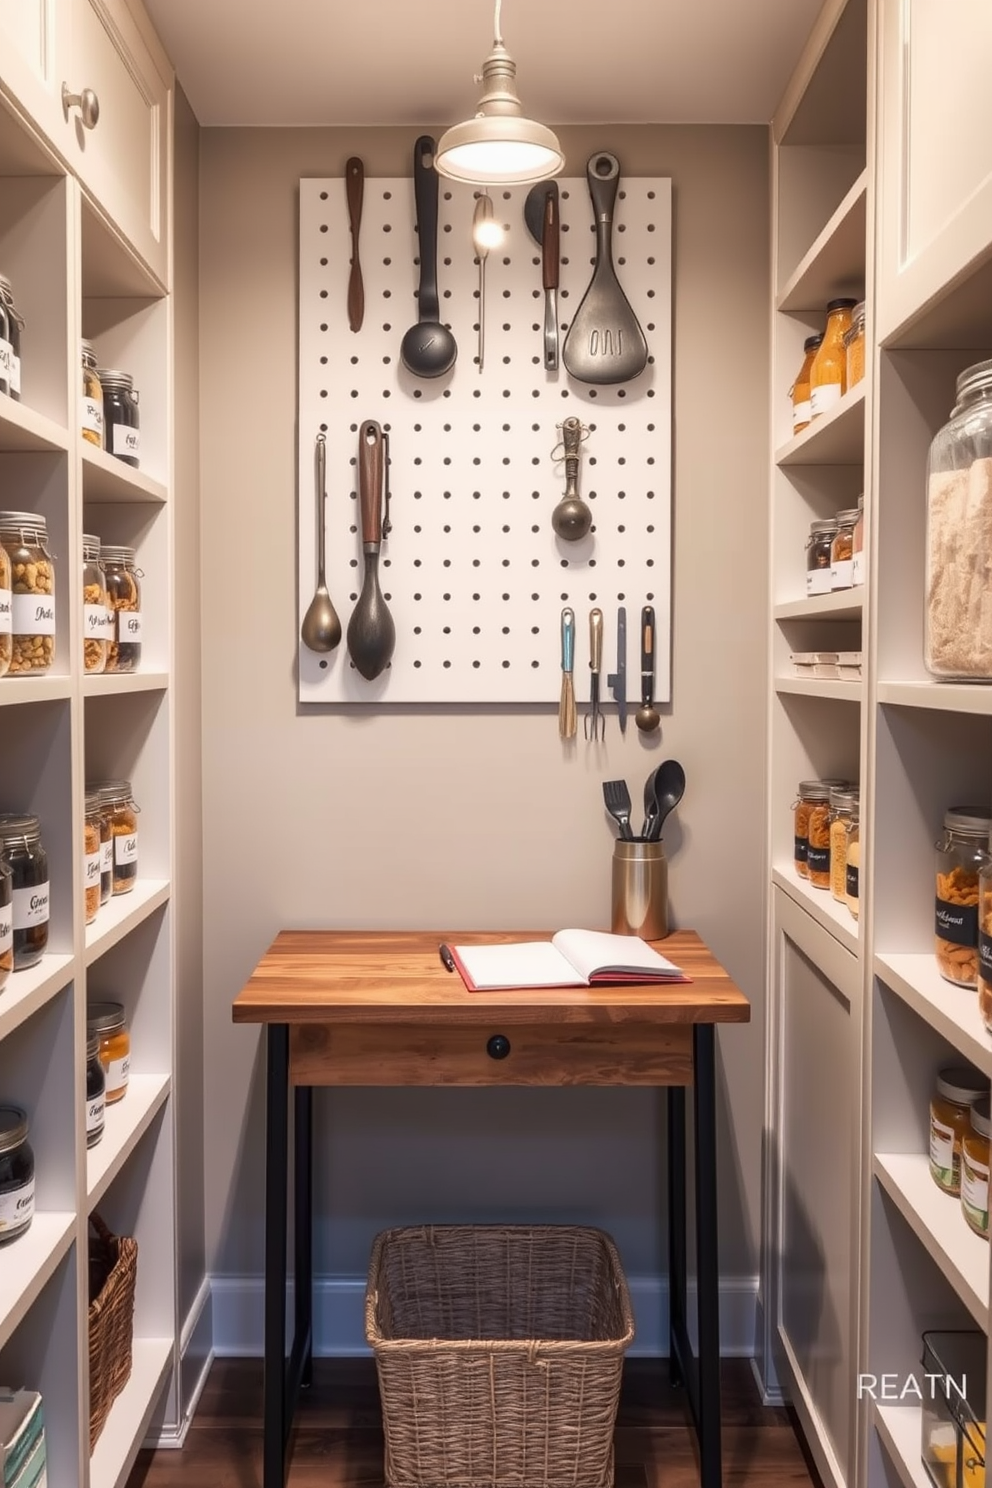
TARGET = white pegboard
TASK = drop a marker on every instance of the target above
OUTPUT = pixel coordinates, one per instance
(472, 571)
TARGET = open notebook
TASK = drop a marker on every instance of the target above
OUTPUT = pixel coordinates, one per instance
(572, 958)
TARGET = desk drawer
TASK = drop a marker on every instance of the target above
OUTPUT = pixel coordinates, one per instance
(526, 1054)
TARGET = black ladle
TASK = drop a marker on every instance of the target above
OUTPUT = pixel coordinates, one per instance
(371, 632)
(669, 786)
(428, 349)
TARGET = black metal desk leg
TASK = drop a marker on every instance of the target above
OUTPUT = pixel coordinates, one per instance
(303, 1223)
(276, 1162)
(707, 1261)
(676, 1230)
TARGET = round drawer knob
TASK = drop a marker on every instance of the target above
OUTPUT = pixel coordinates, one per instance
(498, 1047)
(87, 103)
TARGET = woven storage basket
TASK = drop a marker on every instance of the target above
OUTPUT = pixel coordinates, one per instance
(499, 1350)
(113, 1270)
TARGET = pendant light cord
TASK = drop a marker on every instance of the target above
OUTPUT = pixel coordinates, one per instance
(497, 37)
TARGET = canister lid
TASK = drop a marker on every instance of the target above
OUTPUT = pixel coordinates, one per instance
(91, 546)
(812, 342)
(848, 517)
(13, 1127)
(819, 790)
(962, 1084)
(967, 819)
(104, 1017)
(6, 289)
(111, 377)
(829, 525)
(980, 1117)
(110, 553)
(92, 1045)
(92, 801)
(16, 521)
(973, 379)
(19, 826)
(842, 799)
(88, 352)
(858, 313)
(114, 792)
(841, 304)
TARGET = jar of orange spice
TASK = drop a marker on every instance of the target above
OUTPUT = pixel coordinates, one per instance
(800, 388)
(828, 374)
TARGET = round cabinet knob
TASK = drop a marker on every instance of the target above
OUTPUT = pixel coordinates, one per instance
(87, 103)
(498, 1047)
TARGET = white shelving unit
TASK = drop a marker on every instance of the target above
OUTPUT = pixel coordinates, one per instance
(865, 1015)
(76, 272)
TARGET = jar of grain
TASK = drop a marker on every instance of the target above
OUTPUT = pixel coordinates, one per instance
(811, 792)
(121, 434)
(11, 326)
(96, 1091)
(842, 550)
(955, 1092)
(98, 617)
(6, 612)
(958, 634)
(124, 595)
(854, 345)
(106, 842)
(858, 547)
(818, 546)
(122, 814)
(975, 1168)
(24, 535)
(92, 831)
(852, 870)
(961, 854)
(828, 374)
(800, 388)
(92, 408)
(843, 810)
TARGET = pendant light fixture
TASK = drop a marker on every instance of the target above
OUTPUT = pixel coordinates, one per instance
(499, 146)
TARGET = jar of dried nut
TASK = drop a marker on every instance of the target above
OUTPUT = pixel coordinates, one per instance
(961, 854)
(24, 536)
(98, 617)
(92, 832)
(124, 595)
(122, 814)
(92, 411)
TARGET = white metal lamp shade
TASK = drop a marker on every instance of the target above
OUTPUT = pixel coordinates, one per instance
(499, 146)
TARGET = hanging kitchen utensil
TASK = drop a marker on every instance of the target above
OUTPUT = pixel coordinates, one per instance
(428, 349)
(571, 518)
(542, 216)
(371, 632)
(647, 716)
(594, 723)
(617, 681)
(482, 222)
(567, 721)
(650, 803)
(605, 343)
(321, 628)
(354, 173)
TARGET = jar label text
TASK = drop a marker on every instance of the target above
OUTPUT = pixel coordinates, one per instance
(15, 372)
(126, 848)
(107, 856)
(6, 357)
(945, 1163)
(98, 622)
(33, 614)
(985, 956)
(824, 397)
(95, 1114)
(6, 929)
(118, 1071)
(975, 1192)
(801, 414)
(17, 1207)
(129, 626)
(841, 574)
(124, 440)
(6, 612)
(852, 881)
(857, 569)
(800, 849)
(957, 923)
(30, 906)
(818, 859)
(92, 416)
(92, 861)
(818, 581)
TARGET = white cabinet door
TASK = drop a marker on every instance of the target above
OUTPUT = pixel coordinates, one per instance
(33, 34)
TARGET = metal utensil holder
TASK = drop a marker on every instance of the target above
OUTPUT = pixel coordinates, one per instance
(640, 890)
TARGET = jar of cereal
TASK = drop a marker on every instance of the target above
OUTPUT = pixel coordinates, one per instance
(98, 617)
(24, 536)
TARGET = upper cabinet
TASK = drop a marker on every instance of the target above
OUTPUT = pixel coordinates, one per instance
(93, 79)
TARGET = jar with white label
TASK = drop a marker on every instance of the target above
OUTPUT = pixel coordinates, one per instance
(92, 853)
(962, 852)
(121, 435)
(24, 536)
(91, 418)
(828, 374)
(106, 1022)
(842, 550)
(96, 1091)
(124, 596)
(858, 547)
(11, 326)
(799, 391)
(956, 1090)
(6, 923)
(16, 1174)
(122, 814)
(98, 617)
(6, 612)
(818, 545)
(975, 1169)
(21, 847)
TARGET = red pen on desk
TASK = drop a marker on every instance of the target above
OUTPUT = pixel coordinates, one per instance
(447, 959)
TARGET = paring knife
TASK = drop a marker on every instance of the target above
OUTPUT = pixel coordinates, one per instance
(617, 681)
(549, 278)
(354, 172)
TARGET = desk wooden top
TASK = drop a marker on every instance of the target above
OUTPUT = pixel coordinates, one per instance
(396, 976)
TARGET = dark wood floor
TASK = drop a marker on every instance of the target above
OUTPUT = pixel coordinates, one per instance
(338, 1438)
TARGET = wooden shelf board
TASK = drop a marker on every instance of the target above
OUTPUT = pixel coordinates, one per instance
(127, 1121)
(940, 1226)
(949, 697)
(44, 689)
(106, 478)
(959, 317)
(122, 1436)
(900, 1430)
(117, 682)
(837, 438)
(28, 1263)
(821, 687)
(841, 604)
(122, 913)
(27, 991)
(21, 428)
(951, 1011)
(835, 918)
(835, 264)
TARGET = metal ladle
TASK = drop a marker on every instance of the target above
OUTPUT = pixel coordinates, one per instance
(428, 349)
(321, 628)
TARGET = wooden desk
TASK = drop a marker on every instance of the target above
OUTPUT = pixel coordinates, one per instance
(378, 1008)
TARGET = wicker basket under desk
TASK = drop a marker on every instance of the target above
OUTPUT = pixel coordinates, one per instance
(499, 1350)
(113, 1272)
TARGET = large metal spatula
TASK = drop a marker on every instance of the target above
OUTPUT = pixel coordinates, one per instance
(605, 343)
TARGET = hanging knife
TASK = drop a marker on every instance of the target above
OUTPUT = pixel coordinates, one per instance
(617, 681)
(355, 191)
(549, 278)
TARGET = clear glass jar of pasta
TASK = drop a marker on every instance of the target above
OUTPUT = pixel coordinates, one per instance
(24, 536)
(843, 811)
(122, 814)
(124, 596)
(92, 854)
(98, 617)
(961, 855)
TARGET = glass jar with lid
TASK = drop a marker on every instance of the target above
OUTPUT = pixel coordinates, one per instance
(16, 1174)
(21, 846)
(122, 814)
(854, 345)
(96, 1091)
(800, 388)
(818, 565)
(6, 922)
(93, 828)
(958, 633)
(852, 869)
(842, 550)
(11, 326)
(843, 811)
(92, 406)
(810, 793)
(975, 1168)
(107, 1022)
(121, 434)
(24, 536)
(961, 854)
(98, 617)
(124, 595)
(858, 547)
(6, 612)
(828, 374)
(956, 1090)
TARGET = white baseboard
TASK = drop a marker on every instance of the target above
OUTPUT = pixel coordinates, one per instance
(196, 1354)
(237, 1306)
